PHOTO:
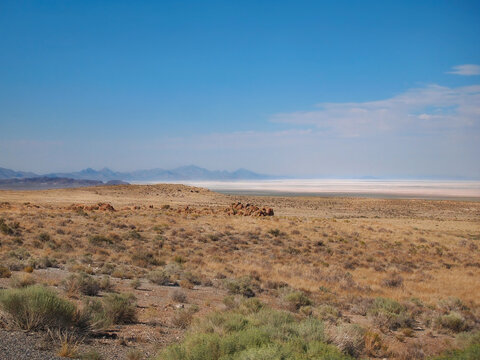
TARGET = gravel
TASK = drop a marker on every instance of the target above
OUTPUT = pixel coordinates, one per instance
(18, 345)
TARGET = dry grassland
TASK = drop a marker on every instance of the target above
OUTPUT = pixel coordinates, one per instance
(182, 256)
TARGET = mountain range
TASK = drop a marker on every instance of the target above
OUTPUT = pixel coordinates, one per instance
(190, 172)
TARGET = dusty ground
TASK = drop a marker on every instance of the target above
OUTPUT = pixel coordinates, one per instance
(342, 252)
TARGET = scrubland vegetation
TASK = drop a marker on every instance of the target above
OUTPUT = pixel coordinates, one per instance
(169, 272)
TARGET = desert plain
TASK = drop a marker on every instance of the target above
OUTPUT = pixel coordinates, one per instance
(170, 271)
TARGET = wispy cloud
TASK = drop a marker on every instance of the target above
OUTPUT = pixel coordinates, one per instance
(419, 111)
(465, 70)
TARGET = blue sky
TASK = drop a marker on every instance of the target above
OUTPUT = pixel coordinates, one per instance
(305, 88)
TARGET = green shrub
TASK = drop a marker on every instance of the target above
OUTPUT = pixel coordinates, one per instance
(453, 321)
(81, 283)
(390, 314)
(166, 275)
(262, 334)
(36, 307)
(241, 286)
(296, 299)
(159, 277)
(112, 309)
(471, 352)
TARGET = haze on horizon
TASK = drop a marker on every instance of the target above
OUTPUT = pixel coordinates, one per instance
(294, 88)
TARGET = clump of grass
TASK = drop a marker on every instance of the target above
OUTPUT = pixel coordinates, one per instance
(100, 240)
(12, 229)
(22, 281)
(390, 314)
(134, 354)
(159, 277)
(182, 318)
(36, 307)
(44, 237)
(145, 259)
(135, 283)
(179, 296)
(5, 272)
(349, 338)
(329, 313)
(257, 333)
(241, 286)
(112, 309)
(81, 283)
(471, 352)
(296, 300)
(453, 321)
(393, 281)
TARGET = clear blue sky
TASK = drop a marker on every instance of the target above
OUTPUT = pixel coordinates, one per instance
(307, 88)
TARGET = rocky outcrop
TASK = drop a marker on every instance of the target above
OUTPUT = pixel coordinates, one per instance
(248, 210)
(100, 206)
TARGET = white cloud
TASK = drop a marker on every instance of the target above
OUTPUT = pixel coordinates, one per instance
(420, 111)
(465, 70)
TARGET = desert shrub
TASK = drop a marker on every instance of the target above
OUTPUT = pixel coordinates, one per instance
(390, 314)
(250, 306)
(145, 259)
(100, 240)
(166, 275)
(296, 299)
(263, 334)
(159, 277)
(471, 352)
(179, 259)
(5, 272)
(451, 304)
(453, 321)
(5, 228)
(182, 318)
(106, 284)
(81, 283)
(122, 272)
(111, 309)
(241, 286)
(349, 338)
(135, 283)
(44, 237)
(193, 278)
(329, 313)
(179, 296)
(36, 307)
(276, 232)
(393, 281)
(468, 338)
(134, 354)
(22, 281)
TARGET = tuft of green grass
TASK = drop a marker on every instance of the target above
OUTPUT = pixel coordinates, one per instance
(81, 283)
(471, 352)
(112, 309)
(390, 314)
(36, 307)
(253, 332)
(453, 321)
(297, 299)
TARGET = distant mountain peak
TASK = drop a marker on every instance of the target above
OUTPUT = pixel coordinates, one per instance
(188, 172)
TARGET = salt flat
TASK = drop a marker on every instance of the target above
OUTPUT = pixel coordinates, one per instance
(438, 189)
